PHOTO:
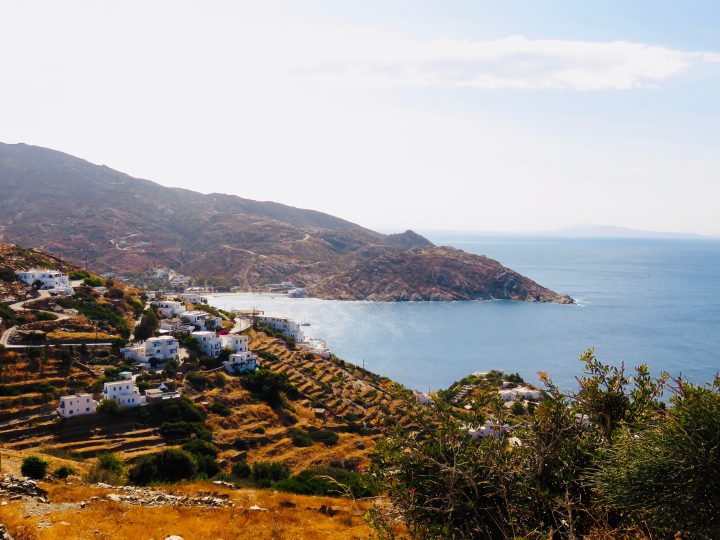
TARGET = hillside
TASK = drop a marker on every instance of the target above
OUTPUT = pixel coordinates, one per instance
(82, 211)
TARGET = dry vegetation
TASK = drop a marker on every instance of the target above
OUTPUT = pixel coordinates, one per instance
(286, 517)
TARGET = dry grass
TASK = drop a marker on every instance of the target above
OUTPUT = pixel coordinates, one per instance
(104, 519)
(61, 335)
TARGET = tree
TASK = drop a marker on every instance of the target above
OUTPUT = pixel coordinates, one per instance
(109, 407)
(148, 325)
(34, 467)
(667, 475)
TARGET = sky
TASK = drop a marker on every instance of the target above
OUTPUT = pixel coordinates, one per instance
(508, 115)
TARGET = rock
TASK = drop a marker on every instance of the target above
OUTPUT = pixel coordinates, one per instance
(4, 535)
(256, 508)
(240, 456)
(328, 510)
(286, 504)
(174, 537)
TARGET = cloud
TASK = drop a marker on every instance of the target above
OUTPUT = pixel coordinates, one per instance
(511, 62)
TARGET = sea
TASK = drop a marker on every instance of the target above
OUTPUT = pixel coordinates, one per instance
(654, 301)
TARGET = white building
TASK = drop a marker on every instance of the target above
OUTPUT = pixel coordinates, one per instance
(169, 308)
(175, 325)
(201, 319)
(76, 405)
(237, 343)
(193, 298)
(125, 393)
(286, 325)
(489, 429)
(423, 398)
(210, 344)
(52, 280)
(520, 393)
(239, 362)
(161, 348)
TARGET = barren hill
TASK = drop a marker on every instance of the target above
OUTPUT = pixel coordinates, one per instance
(82, 211)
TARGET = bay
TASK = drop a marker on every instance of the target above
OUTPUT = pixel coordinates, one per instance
(639, 300)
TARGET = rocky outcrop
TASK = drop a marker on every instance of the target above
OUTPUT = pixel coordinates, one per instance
(432, 273)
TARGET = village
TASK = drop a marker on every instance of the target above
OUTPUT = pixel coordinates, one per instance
(185, 322)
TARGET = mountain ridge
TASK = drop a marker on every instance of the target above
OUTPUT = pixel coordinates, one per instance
(87, 212)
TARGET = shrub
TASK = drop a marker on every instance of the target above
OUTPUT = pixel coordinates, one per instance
(201, 448)
(241, 470)
(63, 472)
(266, 473)
(170, 465)
(267, 385)
(115, 293)
(326, 481)
(219, 408)
(108, 469)
(34, 467)
(197, 380)
(93, 281)
(207, 467)
(45, 316)
(185, 430)
(7, 274)
(299, 438)
(109, 407)
(78, 274)
(328, 438)
(241, 444)
(667, 475)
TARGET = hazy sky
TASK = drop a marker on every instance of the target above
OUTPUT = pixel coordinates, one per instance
(458, 115)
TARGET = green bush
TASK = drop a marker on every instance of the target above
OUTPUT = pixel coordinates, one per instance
(328, 438)
(326, 482)
(34, 467)
(241, 470)
(668, 475)
(109, 407)
(266, 473)
(93, 281)
(201, 448)
(267, 385)
(185, 430)
(299, 438)
(220, 409)
(78, 274)
(63, 472)
(170, 465)
(7, 274)
(108, 469)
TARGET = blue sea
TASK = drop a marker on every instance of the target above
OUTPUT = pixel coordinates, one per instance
(639, 301)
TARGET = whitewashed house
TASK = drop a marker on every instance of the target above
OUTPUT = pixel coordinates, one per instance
(52, 280)
(240, 362)
(125, 393)
(210, 345)
(175, 325)
(201, 319)
(286, 325)
(169, 308)
(520, 393)
(161, 348)
(489, 429)
(76, 405)
(237, 343)
(423, 398)
(193, 298)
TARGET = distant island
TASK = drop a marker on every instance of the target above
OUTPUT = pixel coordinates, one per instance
(91, 214)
